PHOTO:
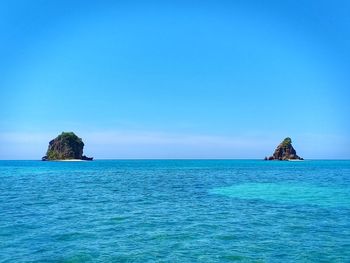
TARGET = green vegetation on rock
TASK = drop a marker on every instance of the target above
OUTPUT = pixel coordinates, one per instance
(287, 141)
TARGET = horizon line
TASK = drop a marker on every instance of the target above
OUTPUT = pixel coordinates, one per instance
(121, 159)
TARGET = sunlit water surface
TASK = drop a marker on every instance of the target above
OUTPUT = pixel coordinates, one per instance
(175, 211)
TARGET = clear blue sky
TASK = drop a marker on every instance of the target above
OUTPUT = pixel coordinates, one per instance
(175, 79)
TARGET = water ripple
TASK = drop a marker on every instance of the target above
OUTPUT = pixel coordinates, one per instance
(175, 211)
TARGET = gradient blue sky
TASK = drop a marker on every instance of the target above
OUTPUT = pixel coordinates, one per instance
(175, 79)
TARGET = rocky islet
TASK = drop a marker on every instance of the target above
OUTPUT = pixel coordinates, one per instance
(284, 152)
(66, 146)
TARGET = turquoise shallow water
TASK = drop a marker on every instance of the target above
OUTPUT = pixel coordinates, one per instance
(175, 211)
(290, 193)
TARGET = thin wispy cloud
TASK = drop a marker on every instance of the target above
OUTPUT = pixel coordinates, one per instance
(153, 144)
(120, 144)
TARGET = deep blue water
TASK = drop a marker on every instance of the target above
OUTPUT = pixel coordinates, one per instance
(175, 211)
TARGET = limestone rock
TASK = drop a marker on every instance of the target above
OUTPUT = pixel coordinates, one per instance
(65, 146)
(285, 151)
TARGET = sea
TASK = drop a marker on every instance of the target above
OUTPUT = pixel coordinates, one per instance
(175, 211)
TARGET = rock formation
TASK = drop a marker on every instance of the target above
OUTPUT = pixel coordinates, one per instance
(285, 151)
(65, 146)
